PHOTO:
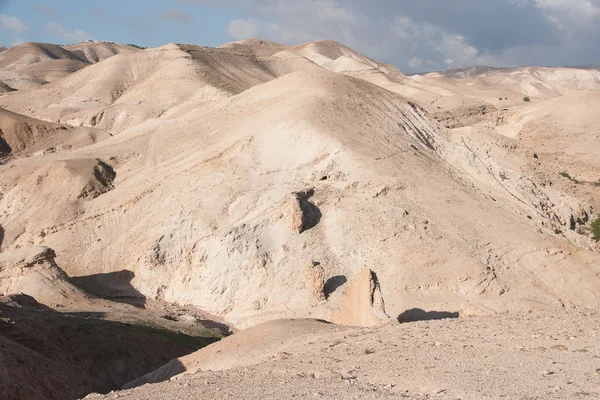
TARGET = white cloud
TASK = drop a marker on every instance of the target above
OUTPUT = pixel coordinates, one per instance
(241, 29)
(468, 32)
(77, 35)
(415, 62)
(12, 23)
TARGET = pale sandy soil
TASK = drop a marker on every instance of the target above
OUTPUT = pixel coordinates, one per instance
(525, 356)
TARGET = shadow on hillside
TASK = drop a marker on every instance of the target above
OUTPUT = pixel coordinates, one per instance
(224, 329)
(114, 286)
(1, 236)
(333, 284)
(311, 214)
(417, 314)
(5, 148)
(82, 353)
(162, 374)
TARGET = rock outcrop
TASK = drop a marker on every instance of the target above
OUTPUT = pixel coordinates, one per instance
(303, 214)
(315, 281)
(362, 302)
(33, 271)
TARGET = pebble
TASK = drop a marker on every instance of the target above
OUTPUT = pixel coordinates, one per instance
(559, 347)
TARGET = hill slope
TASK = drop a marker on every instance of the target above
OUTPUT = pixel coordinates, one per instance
(384, 197)
(29, 65)
(129, 89)
(21, 135)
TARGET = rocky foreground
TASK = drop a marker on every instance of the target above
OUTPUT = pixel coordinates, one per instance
(526, 356)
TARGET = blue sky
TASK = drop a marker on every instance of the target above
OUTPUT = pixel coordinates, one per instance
(414, 35)
(148, 23)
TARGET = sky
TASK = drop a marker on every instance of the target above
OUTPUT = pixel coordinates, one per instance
(414, 35)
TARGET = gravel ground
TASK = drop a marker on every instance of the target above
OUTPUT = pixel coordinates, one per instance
(525, 356)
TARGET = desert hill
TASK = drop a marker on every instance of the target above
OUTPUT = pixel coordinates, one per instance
(255, 47)
(128, 89)
(93, 52)
(21, 135)
(373, 154)
(29, 65)
(261, 182)
(58, 341)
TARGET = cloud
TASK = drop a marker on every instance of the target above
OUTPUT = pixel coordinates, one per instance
(415, 62)
(177, 16)
(46, 10)
(240, 29)
(18, 41)
(75, 36)
(12, 23)
(440, 34)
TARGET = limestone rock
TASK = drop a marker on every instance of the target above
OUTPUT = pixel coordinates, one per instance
(303, 214)
(34, 272)
(470, 309)
(315, 281)
(362, 302)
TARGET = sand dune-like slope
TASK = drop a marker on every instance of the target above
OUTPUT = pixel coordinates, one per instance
(26, 54)
(21, 135)
(129, 89)
(500, 87)
(386, 195)
(339, 58)
(29, 65)
(94, 52)
(255, 47)
(568, 123)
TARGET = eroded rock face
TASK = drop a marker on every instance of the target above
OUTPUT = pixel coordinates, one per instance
(34, 272)
(303, 214)
(315, 281)
(100, 183)
(362, 302)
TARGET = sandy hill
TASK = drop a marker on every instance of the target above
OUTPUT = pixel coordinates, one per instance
(94, 52)
(21, 135)
(171, 80)
(336, 57)
(255, 46)
(129, 89)
(29, 65)
(25, 54)
(500, 87)
(260, 182)
(229, 247)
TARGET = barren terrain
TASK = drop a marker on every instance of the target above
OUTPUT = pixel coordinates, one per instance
(202, 191)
